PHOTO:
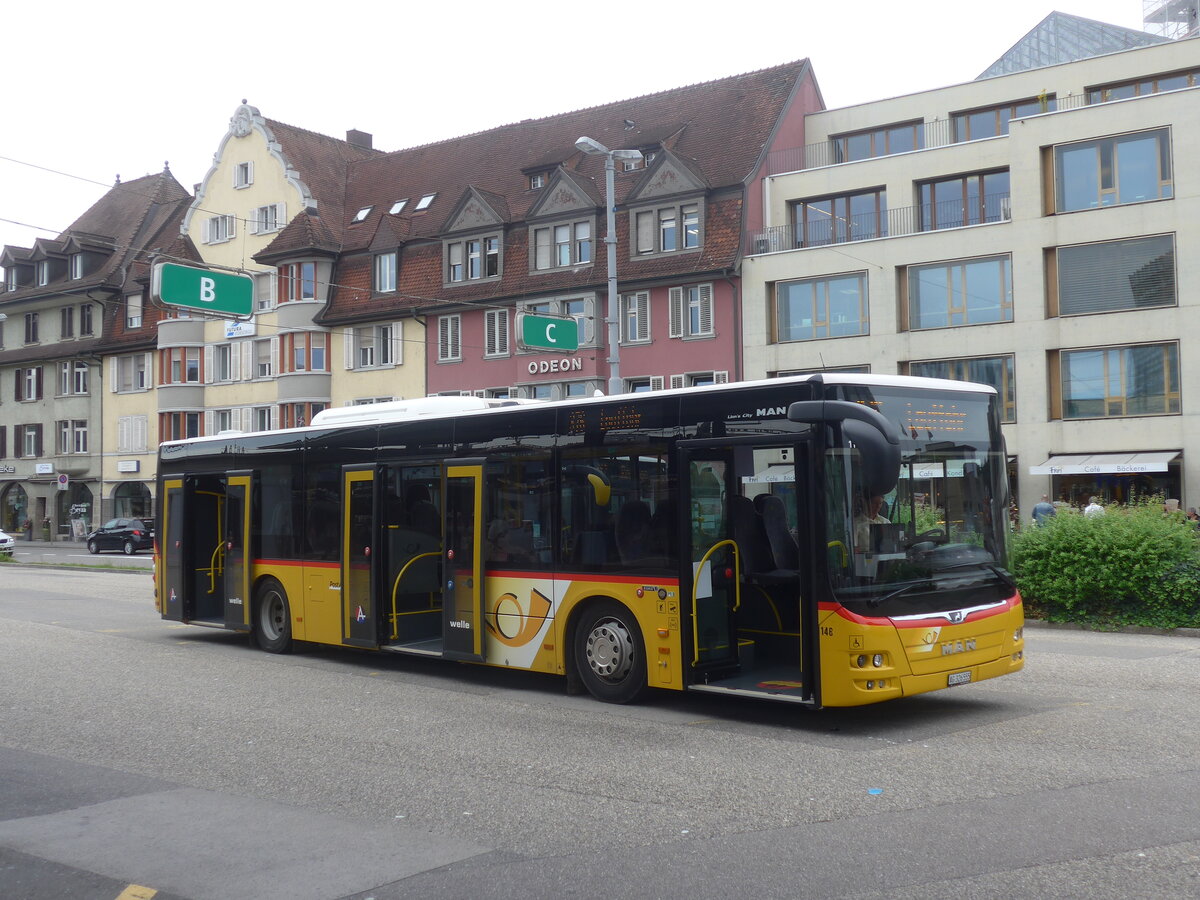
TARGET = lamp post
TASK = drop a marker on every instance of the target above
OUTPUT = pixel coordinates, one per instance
(595, 148)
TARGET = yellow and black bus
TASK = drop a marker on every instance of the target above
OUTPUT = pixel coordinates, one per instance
(828, 540)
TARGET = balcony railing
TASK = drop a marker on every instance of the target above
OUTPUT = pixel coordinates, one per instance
(937, 133)
(897, 222)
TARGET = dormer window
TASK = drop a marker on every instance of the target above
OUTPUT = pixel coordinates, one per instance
(243, 175)
(10, 278)
(397, 207)
(361, 215)
(76, 266)
(537, 180)
(41, 270)
(424, 202)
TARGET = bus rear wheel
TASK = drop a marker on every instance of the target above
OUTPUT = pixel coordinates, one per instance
(609, 653)
(272, 618)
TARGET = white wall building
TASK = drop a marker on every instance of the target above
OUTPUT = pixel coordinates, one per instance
(1028, 230)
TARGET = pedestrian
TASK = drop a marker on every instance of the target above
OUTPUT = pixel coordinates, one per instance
(1093, 509)
(1193, 516)
(1043, 510)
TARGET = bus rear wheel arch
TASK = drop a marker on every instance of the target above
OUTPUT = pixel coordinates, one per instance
(272, 621)
(609, 653)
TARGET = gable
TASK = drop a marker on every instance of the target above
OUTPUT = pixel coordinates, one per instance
(559, 197)
(667, 177)
(473, 213)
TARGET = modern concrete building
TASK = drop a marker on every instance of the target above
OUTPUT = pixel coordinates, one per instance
(1028, 230)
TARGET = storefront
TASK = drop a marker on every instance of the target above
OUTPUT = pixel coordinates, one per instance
(1113, 477)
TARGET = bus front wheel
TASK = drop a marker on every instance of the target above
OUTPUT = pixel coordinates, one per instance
(609, 653)
(272, 618)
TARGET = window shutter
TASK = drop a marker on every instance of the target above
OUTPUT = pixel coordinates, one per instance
(18, 382)
(252, 221)
(208, 368)
(502, 334)
(114, 373)
(281, 215)
(37, 435)
(348, 348)
(139, 432)
(656, 382)
(247, 351)
(706, 309)
(275, 368)
(676, 381)
(231, 231)
(148, 370)
(397, 343)
(643, 315)
(208, 421)
(123, 423)
(38, 387)
(676, 295)
(721, 377)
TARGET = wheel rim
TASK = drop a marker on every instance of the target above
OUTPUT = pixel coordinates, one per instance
(272, 616)
(609, 650)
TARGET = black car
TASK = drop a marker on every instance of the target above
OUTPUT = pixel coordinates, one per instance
(129, 535)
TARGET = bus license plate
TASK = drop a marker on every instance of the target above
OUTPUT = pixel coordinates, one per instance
(958, 678)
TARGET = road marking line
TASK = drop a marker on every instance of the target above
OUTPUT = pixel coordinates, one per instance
(136, 892)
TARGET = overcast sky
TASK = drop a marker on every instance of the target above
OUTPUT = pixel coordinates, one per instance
(96, 90)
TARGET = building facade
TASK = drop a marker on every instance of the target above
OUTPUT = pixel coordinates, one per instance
(1028, 231)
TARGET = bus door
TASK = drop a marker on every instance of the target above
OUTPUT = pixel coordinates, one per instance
(194, 538)
(709, 583)
(238, 493)
(409, 557)
(361, 620)
(462, 559)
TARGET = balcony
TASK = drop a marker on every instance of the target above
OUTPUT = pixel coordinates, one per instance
(905, 220)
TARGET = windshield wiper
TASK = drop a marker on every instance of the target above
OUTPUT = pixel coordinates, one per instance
(992, 567)
(911, 586)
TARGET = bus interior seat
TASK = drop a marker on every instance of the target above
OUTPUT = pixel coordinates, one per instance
(633, 531)
(779, 536)
(747, 531)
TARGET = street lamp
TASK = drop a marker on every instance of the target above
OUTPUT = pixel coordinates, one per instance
(595, 148)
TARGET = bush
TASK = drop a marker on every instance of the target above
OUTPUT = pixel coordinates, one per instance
(1132, 566)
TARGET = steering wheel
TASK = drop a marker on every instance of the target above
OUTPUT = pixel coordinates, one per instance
(933, 534)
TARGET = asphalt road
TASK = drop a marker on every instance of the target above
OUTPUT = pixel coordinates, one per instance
(139, 756)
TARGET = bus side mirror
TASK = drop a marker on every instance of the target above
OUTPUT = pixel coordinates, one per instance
(875, 437)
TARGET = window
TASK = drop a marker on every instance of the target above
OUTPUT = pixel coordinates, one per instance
(72, 378)
(218, 229)
(562, 245)
(536, 181)
(361, 215)
(815, 308)
(131, 434)
(834, 220)
(424, 202)
(1116, 275)
(222, 420)
(224, 356)
(992, 121)
(305, 351)
(85, 319)
(1131, 168)
(472, 259)
(27, 441)
(76, 264)
(27, 383)
(994, 370)
(397, 207)
(243, 175)
(578, 308)
(635, 317)
(962, 292)
(297, 281)
(41, 272)
(72, 436)
(900, 138)
(31, 328)
(373, 345)
(131, 373)
(66, 327)
(10, 278)
(266, 219)
(262, 418)
(644, 384)
(133, 310)
(691, 311)
(177, 426)
(1120, 381)
(964, 200)
(297, 415)
(496, 333)
(385, 272)
(449, 338)
(660, 230)
(264, 359)
(1143, 87)
(181, 365)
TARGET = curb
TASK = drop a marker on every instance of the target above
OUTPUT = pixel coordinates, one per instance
(1123, 629)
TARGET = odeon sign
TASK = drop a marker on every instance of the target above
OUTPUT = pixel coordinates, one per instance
(546, 366)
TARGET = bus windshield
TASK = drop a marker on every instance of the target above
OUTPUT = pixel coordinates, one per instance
(935, 541)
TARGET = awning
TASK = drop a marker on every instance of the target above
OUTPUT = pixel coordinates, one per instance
(1105, 464)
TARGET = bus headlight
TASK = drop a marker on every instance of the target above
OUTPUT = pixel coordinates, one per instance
(861, 661)
(877, 660)
(1018, 633)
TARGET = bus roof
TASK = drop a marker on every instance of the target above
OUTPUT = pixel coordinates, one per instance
(438, 407)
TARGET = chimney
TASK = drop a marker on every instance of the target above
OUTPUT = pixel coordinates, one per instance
(359, 138)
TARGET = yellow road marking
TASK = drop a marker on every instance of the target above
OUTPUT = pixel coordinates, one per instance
(136, 892)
